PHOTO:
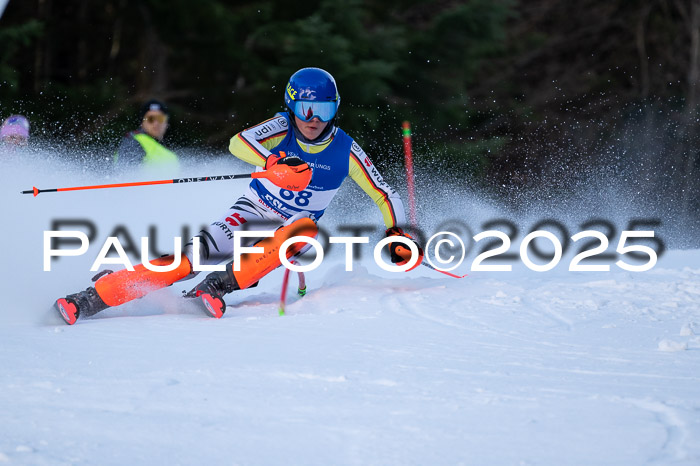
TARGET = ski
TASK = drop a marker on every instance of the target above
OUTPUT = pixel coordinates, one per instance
(214, 305)
(443, 271)
(68, 310)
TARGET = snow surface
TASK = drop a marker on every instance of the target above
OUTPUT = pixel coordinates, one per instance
(370, 367)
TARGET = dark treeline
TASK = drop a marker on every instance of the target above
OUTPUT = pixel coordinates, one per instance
(523, 94)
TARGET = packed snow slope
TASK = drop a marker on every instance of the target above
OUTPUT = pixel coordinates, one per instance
(371, 367)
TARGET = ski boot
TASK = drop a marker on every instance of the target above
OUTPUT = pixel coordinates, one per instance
(85, 303)
(212, 289)
(253, 267)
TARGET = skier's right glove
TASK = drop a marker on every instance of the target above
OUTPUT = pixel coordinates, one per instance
(288, 171)
(400, 253)
(273, 159)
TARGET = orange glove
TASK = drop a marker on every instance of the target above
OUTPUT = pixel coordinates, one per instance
(287, 172)
(400, 253)
(273, 159)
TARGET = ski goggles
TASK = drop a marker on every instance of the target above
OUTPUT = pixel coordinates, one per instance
(153, 117)
(308, 110)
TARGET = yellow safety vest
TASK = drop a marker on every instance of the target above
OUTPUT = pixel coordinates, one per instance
(156, 153)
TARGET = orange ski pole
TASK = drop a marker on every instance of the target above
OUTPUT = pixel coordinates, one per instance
(264, 174)
(36, 191)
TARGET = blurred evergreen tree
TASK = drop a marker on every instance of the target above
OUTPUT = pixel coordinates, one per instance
(223, 65)
(13, 39)
(517, 90)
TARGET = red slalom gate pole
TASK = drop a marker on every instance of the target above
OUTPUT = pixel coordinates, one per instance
(301, 289)
(283, 295)
(408, 158)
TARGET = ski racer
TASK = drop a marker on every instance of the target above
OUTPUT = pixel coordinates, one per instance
(306, 157)
(144, 146)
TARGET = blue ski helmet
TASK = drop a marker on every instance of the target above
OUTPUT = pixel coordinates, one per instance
(311, 93)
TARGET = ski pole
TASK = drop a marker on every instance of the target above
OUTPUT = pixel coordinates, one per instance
(36, 191)
(443, 271)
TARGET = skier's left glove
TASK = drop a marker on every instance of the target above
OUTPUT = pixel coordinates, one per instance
(400, 253)
(288, 171)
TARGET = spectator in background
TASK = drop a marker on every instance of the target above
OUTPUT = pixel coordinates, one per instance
(15, 131)
(143, 147)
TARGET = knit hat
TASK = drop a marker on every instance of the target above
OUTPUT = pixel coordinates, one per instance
(15, 125)
(153, 105)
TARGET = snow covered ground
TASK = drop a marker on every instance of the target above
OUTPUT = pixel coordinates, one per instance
(370, 367)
